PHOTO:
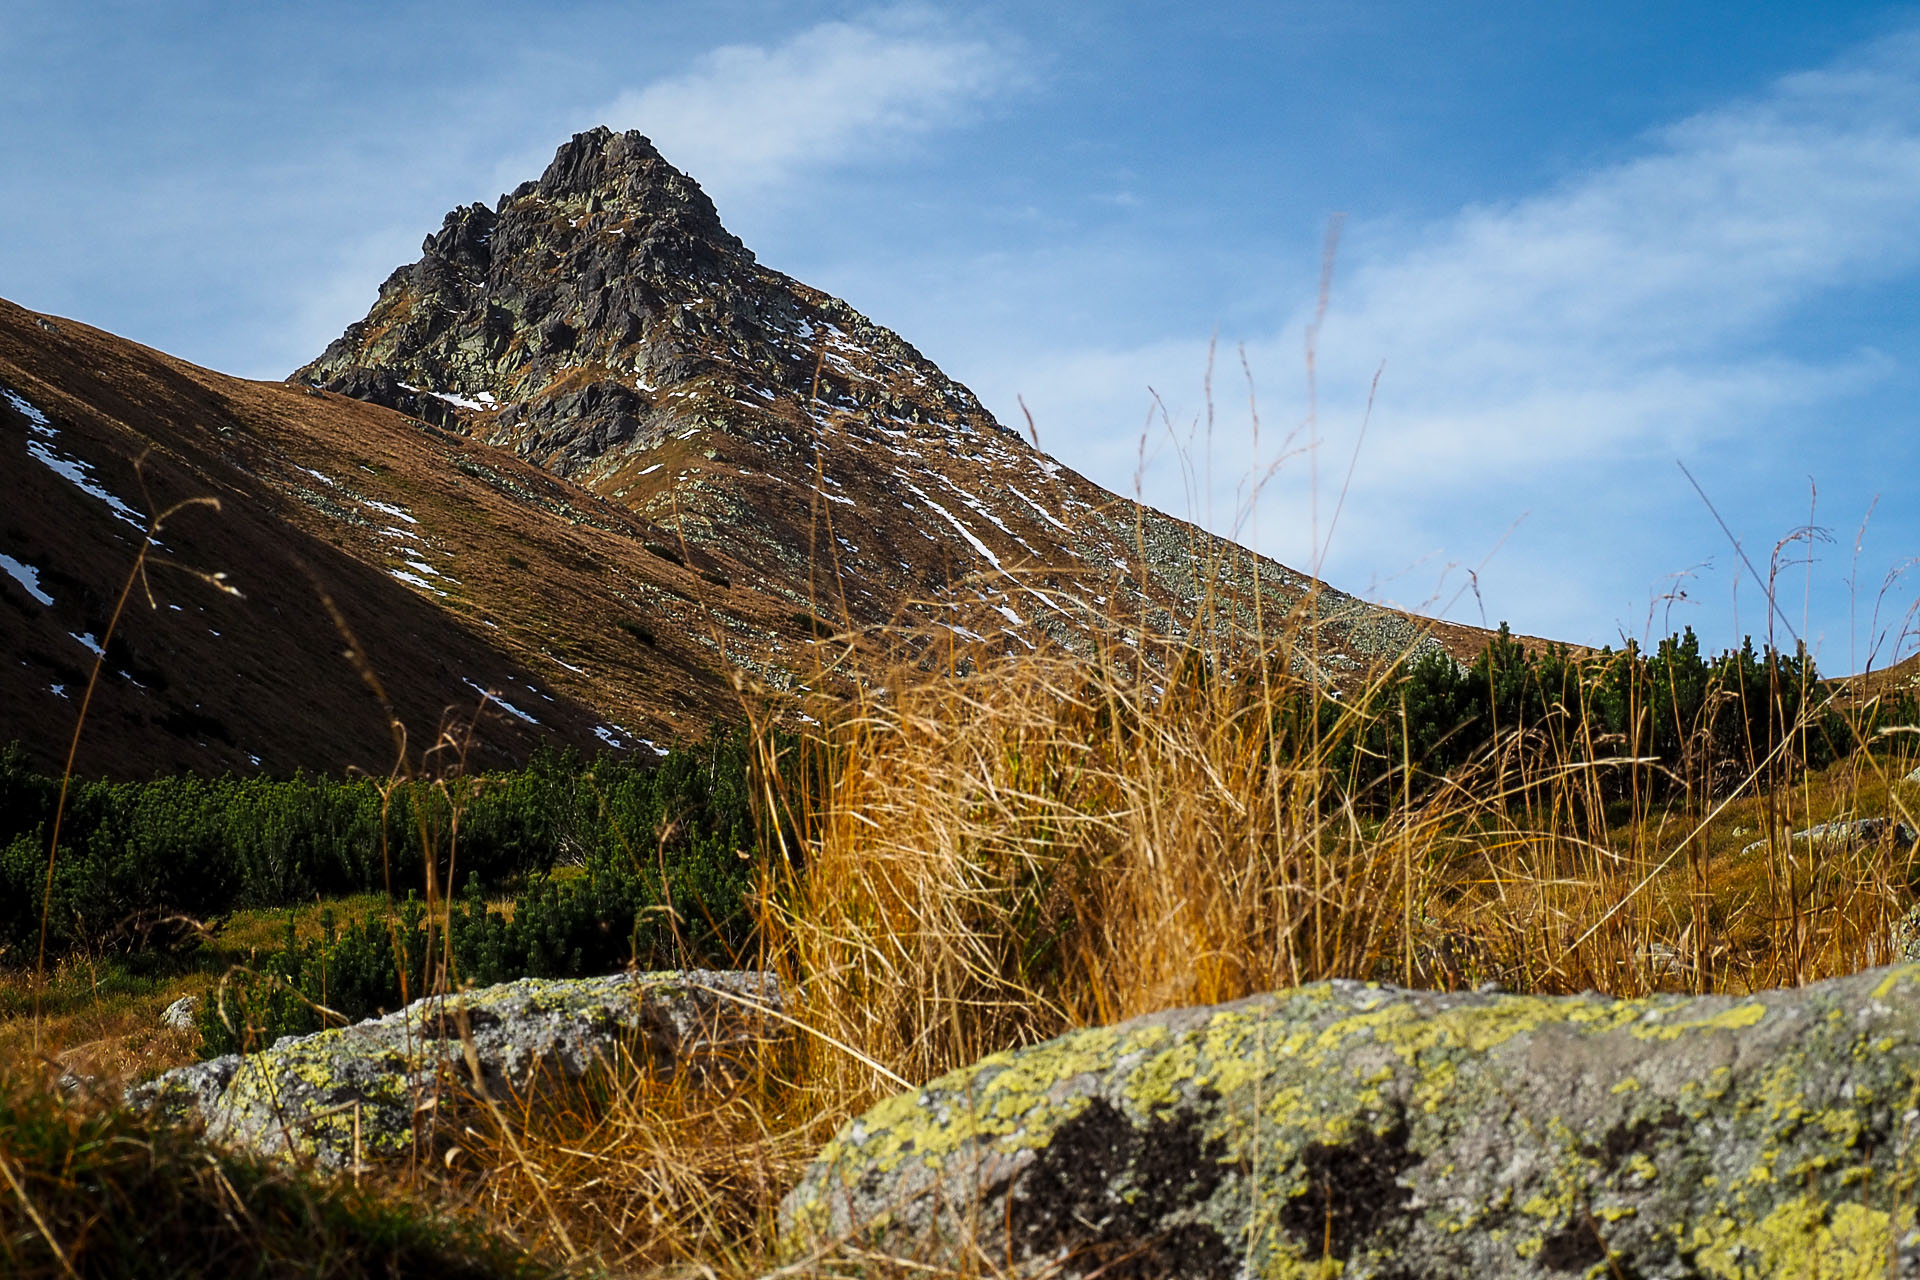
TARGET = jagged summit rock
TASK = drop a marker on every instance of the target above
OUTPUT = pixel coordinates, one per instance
(602, 323)
(626, 169)
(569, 311)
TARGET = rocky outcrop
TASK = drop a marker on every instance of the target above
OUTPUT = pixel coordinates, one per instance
(560, 318)
(377, 1088)
(1366, 1131)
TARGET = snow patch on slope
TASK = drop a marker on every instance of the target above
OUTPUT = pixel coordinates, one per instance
(27, 576)
(498, 701)
(75, 471)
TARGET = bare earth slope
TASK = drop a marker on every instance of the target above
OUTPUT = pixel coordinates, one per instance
(456, 568)
(587, 455)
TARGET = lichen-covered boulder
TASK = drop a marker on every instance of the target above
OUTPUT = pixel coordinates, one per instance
(179, 1015)
(1364, 1131)
(371, 1089)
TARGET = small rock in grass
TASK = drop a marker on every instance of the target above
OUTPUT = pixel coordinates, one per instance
(1856, 834)
(180, 1014)
(1905, 938)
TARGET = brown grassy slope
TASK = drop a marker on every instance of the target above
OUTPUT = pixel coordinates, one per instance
(532, 577)
(578, 609)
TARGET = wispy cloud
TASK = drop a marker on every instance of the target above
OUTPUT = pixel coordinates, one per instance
(748, 118)
(1541, 354)
(1642, 303)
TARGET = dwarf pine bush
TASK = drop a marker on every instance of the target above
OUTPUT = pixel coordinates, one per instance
(135, 855)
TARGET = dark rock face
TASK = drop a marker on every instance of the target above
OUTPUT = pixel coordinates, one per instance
(557, 305)
(1120, 1196)
(1352, 1129)
(381, 387)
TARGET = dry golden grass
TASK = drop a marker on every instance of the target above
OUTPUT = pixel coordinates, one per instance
(1000, 852)
(1049, 842)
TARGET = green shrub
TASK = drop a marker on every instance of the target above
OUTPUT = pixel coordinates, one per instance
(1694, 723)
(667, 881)
(134, 855)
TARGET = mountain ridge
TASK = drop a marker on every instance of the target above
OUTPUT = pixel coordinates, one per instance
(586, 459)
(608, 298)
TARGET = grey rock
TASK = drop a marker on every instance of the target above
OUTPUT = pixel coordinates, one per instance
(1855, 834)
(77, 1082)
(1366, 1131)
(188, 1093)
(1661, 960)
(180, 1014)
(377, 1088)
(1904, 940)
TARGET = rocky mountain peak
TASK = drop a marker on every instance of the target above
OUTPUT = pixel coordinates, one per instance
(603, 307)
(601, 161)
(601, 323)
(562, 309)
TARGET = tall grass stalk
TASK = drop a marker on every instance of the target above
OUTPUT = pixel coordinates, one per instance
(1049, 841)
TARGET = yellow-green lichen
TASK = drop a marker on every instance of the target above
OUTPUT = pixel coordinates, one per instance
(1898, 974)
(1737, 1018)
(1801, 1237)
(1007, 1096)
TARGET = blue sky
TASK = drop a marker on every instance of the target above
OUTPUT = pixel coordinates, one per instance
(1579, 244)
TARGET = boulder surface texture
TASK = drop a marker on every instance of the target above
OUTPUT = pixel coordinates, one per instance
(1365, 1131)
(369, 1090)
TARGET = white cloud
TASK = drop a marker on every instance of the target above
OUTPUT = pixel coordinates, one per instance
(1640, 303)
(746, 118)
(1552, 354)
